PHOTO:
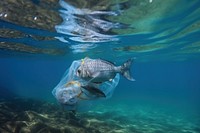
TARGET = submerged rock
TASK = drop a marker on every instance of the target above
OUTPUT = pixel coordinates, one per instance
(31, 116)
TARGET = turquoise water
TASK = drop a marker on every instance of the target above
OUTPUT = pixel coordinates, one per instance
(40, 39)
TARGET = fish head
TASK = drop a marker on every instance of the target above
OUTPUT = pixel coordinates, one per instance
(68, 95)
(83, 73)
(78, 72)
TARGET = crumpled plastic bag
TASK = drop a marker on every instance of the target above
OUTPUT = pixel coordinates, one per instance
(73, 92)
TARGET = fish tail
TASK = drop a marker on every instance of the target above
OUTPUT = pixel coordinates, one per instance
(125, 69)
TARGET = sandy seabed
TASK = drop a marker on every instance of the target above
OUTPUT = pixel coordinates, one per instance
(32, 116)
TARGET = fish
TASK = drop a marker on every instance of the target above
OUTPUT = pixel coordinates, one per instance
(93, 90)
(99, 70)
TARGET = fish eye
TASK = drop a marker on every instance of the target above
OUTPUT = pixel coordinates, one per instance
(79, 71)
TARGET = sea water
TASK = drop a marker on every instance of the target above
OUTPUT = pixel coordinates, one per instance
(39, 42)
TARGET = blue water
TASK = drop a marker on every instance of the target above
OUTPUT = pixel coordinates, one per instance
(164, 42)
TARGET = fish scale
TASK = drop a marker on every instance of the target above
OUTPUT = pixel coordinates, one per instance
(98, 65)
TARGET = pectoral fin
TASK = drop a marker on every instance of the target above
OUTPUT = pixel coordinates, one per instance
(94, 76)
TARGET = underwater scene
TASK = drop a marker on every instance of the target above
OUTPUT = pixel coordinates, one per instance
(99, 66)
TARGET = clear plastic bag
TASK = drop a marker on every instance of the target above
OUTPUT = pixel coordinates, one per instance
(73, 92)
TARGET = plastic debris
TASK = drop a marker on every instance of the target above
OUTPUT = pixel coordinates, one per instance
(74, 93)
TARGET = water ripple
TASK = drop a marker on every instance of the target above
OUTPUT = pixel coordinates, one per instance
(87, 25)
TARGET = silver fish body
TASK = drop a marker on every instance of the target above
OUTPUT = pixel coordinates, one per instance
(98, 70)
